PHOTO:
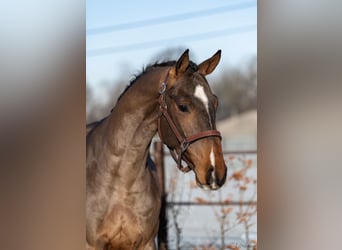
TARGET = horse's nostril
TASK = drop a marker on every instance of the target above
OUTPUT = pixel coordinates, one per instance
(210, 175)
(221, 181)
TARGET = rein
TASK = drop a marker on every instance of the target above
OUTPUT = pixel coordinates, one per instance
(184, 141)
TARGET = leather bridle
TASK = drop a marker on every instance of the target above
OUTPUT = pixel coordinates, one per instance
(184, 141)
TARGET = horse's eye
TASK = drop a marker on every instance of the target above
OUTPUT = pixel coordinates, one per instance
(183, 108)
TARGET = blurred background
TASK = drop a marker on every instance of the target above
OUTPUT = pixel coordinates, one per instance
(42, 114)
(42, 97)
(123, 37)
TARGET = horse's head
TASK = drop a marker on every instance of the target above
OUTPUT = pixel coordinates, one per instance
(191, 106)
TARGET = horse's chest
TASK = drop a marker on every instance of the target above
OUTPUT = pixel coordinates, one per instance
(132, 226)
(133, 219)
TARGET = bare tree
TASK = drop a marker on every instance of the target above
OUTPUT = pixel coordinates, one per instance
(99, 107)
(177, 211)
(168, 54)
(246, 213)
(242, 182)
(236, 89)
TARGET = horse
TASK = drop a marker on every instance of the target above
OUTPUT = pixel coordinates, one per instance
(123, 196)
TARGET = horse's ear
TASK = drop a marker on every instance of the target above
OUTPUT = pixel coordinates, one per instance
(210, 64)
(181, 64)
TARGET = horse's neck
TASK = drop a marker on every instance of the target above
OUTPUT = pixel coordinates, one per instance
(133, 123)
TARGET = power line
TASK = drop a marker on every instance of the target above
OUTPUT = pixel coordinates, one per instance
(170, 18)
(146, 45)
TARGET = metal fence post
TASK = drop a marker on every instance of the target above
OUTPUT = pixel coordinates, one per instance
(158, 154)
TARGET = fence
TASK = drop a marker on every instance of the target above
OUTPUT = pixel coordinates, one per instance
(223, 211)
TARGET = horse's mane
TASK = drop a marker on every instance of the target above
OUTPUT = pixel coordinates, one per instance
(91, 126)
(149, 68)
(193, 66)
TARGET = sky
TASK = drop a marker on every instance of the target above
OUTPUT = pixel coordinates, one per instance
(123, 36)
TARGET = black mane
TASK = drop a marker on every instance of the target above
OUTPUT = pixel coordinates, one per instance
(149, 68)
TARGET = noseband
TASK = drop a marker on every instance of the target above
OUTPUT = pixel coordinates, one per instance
(183, 141)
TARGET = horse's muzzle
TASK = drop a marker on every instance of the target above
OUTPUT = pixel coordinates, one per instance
(213, 179)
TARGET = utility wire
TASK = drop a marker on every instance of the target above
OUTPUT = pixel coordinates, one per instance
(170, 18)
(146, 45)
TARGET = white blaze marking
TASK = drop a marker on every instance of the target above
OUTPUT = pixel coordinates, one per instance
(212, 157)
(200, 94)
(212, 161)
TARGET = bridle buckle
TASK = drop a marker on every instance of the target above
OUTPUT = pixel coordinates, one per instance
(184, 145)
(162, 88)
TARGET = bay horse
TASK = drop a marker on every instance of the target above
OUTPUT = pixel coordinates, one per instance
(123, 197)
